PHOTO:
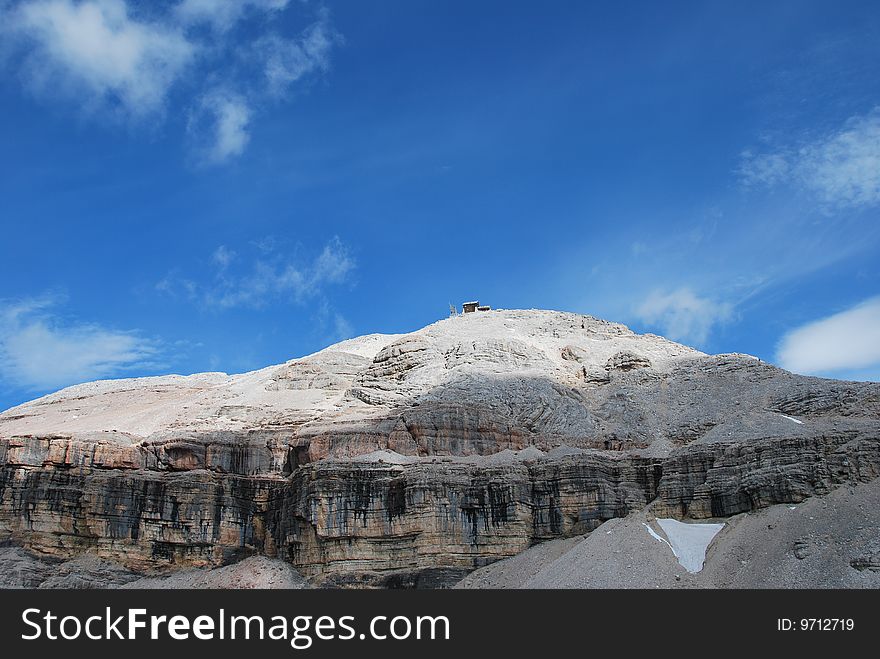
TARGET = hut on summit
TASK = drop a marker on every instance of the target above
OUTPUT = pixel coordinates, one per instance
(471, 307)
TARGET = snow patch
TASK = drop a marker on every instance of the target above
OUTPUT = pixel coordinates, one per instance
(689, 541)
(791, 418)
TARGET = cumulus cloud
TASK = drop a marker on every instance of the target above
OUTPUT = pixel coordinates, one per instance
(98, 48)
(682, 315)
(271, 277)
(845, 341)
(40, 351)
(841, 168)
(138, 57)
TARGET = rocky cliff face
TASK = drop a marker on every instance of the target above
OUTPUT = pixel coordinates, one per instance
(410, 460)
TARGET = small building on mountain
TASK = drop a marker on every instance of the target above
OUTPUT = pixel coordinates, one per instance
(471, 307)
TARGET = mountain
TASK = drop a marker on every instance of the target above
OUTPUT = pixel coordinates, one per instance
(412, 459)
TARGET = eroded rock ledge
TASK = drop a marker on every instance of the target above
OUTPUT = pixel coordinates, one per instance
(424, 522)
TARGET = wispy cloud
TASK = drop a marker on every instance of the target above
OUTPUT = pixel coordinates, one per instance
(223, 256)
(39, 350)
(763, 169)
(845, 341)
(698, 270)
(330, 325)
(342, 328)
(219, 127)
(270, 277)
(286, 61)
(134, 58)
(841, 168)
(222, 15)
(682, 315)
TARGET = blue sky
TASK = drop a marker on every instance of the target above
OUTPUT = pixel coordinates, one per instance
(208, 185)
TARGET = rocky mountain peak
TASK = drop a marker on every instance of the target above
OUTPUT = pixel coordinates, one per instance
(412, 458)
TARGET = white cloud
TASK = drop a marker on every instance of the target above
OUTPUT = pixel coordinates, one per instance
(39, 351)
(682, 315)
(845, 167)
(841, 168)
(333, 264)
(139, 57)
(278, 279)
(97, 46)
(289, 60)
(222, 15)
(175, 286)
(219, 126)
(330, 325)
(272, 277)
(766, 169)
(849, 340)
